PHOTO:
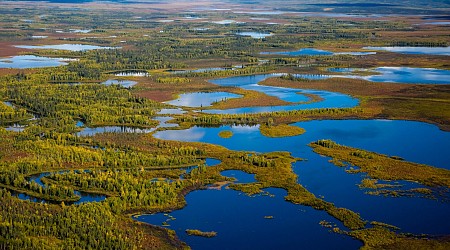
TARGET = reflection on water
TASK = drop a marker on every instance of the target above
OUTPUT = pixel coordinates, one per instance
(174, 111)
(242, 219)
(407, 75)
(256, 35)
(398, 138)
(16, 127)
(330, 99)
(71, 47)
(201, 99)
(315, 52)
(84, 197)
(124, 83)
(240, 176)
(132, 73)
(414, 50)
(112, 129)
(31, 61)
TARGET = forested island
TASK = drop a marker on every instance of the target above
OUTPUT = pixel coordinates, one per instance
(256, 125)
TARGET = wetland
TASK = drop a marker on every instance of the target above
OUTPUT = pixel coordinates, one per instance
(219, 125)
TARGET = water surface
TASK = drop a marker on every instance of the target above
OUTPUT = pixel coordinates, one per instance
(256, 35)
(32, 61)
(316, 52)
(132, 73)
(414, 50)
(201, 99)
(407, 75)
(394, 138)
(295, 96)
(123, 83)
(71, 47)
(240, 222)
(112, 129)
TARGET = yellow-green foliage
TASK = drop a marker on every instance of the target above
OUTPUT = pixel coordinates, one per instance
(282, 130)
(200, 233)
(225, 134)
(380, 166)
(173, 80)
(382, 238)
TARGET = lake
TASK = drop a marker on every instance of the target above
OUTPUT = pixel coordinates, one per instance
(240, 222)
(256, 35)
(123, 83)
(445, 51)
(132, 73)
(32, 61)
(84, 197)
(319, 176)
(112, 129)
(316, 52)
(406, 75)
(330, 99)
(201, 99)
(70, 47)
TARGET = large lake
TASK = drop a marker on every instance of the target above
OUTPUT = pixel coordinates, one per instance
(319, 176)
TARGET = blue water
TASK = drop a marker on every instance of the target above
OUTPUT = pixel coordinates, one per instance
(301, 52)
(413, 141)
(201, 99)
(124, 83)
(438, 23)
(31, 61)
(414, 50)
(240, 176)
(70, 47)
(316, 52)
(331, 99)
(163, 122)
(116, 129)
(15, 127)
(84, 197)
(203, 70)
(171, 111)
(132, 73)
(409, 75)
(212, 162)
(240, 224)
(79, 124)
(256, 35)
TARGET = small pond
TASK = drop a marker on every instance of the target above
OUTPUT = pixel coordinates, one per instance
(112, 129)
(132, 73)
(256, 35)
(240, 176)
(123, 83)
(172, 111)
(85, 197)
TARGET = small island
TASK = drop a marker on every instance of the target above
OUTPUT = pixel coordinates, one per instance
(225, 134)
(282, 130)
(196, 232)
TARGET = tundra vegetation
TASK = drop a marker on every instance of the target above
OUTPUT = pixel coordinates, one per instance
(141, 174)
